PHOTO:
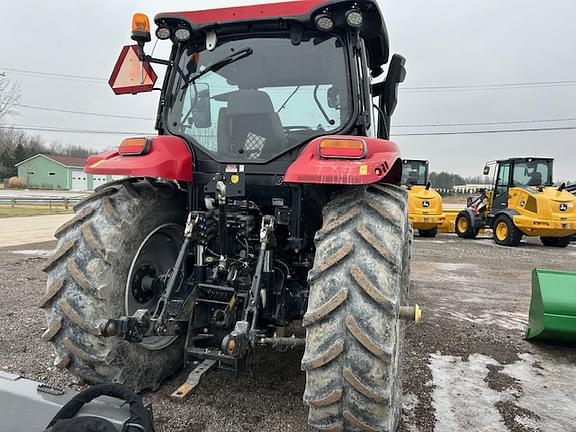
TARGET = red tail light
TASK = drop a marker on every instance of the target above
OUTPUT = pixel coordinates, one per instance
(135, 146)
(344, 148)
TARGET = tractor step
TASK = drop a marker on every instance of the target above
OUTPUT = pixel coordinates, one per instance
(182, 392)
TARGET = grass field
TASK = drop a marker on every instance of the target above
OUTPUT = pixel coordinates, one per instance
(22, 210)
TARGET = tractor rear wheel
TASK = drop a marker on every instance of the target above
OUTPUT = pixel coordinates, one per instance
(429, 233)
(464, 226)
(505, 232)
(560, 242)
(354, 335)
(122, 234)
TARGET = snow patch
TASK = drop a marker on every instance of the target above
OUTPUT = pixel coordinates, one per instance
(464, 401)
(548, 386)
(461, 398)
(33, 252)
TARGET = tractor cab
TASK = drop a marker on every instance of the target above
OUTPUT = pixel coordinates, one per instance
(523, 202)
(530, 174)
(424, 203)
(252, 85)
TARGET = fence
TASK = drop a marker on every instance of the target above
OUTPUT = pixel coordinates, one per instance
(66, 202)
(462, 191)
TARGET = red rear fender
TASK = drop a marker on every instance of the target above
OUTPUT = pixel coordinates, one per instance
(168, 157)
(379, 164)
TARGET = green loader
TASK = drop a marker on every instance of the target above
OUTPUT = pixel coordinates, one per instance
(552, 309)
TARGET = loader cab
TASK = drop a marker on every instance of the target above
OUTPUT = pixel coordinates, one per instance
(531, 173)
(415, 172)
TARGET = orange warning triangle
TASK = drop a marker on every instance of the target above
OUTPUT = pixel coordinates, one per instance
(130, 75)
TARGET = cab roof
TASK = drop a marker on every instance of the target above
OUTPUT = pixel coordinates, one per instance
(373, 31)
(415, 160)
(524, 159)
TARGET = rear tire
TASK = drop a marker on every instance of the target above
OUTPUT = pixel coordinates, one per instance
(464, 226)
(428, 233)
(559, 242)
(505, 232)
(354, 336)
(87, 283)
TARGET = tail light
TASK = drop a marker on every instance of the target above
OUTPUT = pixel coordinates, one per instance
(342, 148)
(135, 146)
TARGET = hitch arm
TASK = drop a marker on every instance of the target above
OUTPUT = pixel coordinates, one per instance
(254, 299)
(160, 311)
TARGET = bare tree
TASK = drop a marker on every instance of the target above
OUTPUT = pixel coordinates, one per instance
(9, 97)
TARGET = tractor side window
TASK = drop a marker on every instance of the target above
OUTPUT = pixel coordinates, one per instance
(503, 180)
(531, 173)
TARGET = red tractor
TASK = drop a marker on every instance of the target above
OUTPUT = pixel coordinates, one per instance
(267, 211)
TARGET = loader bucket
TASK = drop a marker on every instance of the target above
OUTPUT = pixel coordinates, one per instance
(553, 307)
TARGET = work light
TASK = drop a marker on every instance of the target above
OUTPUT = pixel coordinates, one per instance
(163, 33)
(182, 34)
(354, 18)
(324, 22)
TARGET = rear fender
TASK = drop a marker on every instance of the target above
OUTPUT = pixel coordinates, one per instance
(168, 157)
(508, 212)
(476, 219)
(381, 164)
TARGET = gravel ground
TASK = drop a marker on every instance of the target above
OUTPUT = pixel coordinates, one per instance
(466, 366)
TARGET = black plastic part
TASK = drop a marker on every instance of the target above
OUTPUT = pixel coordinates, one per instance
(140, 418)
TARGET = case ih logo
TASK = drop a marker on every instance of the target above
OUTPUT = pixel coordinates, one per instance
(425, 204)
(563, 207)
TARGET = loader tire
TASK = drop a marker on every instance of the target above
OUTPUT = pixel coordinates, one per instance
(429, 233)
(87, 283)
(354, 335)
(559, 242)
(505, 232)
(464, 226)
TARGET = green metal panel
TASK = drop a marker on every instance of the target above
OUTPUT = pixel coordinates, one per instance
(553, 307)
(43, 173)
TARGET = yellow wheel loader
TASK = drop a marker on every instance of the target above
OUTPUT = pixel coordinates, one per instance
(424, 203)
(523, 202)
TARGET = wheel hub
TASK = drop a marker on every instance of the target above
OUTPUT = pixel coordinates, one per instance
(145, 283)
(148, 275)
(502, 231)
(462, 224)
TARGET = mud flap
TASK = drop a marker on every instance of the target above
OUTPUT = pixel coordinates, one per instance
(553, 307)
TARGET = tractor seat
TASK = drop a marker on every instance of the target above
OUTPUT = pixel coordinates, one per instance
(250, 126)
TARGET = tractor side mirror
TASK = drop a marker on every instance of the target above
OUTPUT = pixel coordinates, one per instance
(201, 112)
(333, 97)
(487, 170)
(396, 75)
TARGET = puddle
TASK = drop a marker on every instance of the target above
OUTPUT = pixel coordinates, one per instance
(505, 320)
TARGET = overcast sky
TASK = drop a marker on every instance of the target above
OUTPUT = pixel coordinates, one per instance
(446, 43)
